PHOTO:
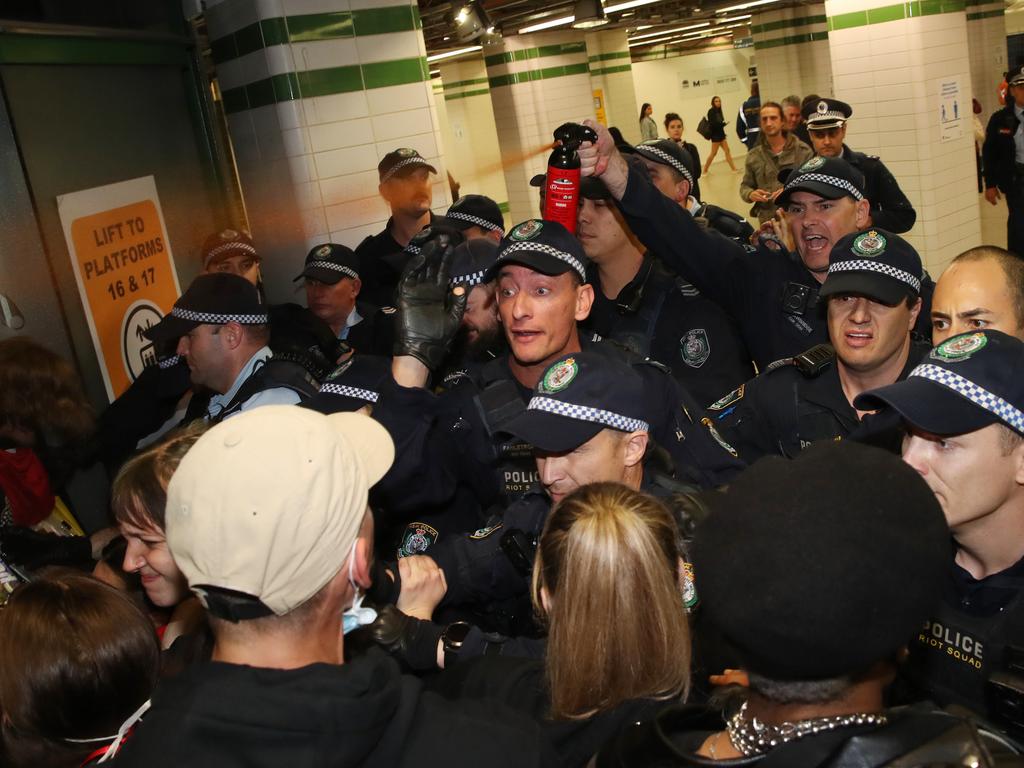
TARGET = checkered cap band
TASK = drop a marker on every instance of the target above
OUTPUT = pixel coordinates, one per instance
(413, 249)
(232, 245)
(978, 395)
(474, 220)
(472, 279)
(568, 258)
(215, 319)
(858, 265)
(833, 181)
(368, 395)
(169, 362)
(336, 267)
(584, 413)
(400, 165)
(663, 155)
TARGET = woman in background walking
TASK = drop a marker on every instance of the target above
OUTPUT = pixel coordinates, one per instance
(717, 122)
(648, 128)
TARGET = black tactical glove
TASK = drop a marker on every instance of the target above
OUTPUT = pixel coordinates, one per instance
(386, 584)
(429, 313)
(32, 549)
(411, 640)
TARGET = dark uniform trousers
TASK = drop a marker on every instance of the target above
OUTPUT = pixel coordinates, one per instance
(976, 632)
(771, 294)
(785, 409)
(999, 153)
(661, 316)
(890, 208)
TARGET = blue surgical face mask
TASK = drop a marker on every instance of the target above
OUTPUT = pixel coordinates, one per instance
(356, 616)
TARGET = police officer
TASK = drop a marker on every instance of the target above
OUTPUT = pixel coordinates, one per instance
(479, 338)
(748, 121)
(873, 299)
(220, 324)
(964, 412)
(639, 303)
(674, 172)
(476, 216)
(826, 124)
(1003, 158)
(332, 283)
(405, 185)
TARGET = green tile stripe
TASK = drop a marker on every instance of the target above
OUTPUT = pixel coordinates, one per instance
(771, 26)
(609, 56)
(466, 94)
(537, 74)
(985, 15)
(808, 37)
(611, 70)
(64, 49)
(316, 26)
(461, 83)
(504, 207)
(534, 53)
(908, 10)
(325, 82)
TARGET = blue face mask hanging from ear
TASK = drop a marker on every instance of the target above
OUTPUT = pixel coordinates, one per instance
(356, 616)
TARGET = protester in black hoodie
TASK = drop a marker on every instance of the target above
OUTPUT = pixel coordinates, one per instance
(267, 518)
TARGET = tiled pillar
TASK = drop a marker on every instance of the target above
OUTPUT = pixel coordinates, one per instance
(986, 41)
(473, 153)
(792, 52)
(611, 74)
(890, 62)
(317, 91)
(537, 83)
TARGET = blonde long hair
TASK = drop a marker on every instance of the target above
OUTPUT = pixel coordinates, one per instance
(608, 562)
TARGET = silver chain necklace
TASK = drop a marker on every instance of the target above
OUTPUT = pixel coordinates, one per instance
(752, 737)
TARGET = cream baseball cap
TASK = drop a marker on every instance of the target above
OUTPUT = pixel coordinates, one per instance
(265, 506)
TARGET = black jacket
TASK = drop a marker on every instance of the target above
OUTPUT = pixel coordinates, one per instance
(890, 208)
(360, 714)
(999, 152)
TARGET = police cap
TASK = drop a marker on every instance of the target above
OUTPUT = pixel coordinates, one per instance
(399, 162)
(829, 177)
(214, 299)
(578, 396)
(826, 113)
(1016, 77)
(545, 246)
(966, 383)
(667, 152)
(224, 245)
(471, 260)
(876, 264)
(329, 263)
(476, 211)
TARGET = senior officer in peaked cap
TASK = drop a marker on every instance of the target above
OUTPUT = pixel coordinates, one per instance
(1003, 158)
(826, 123)
(873, 300)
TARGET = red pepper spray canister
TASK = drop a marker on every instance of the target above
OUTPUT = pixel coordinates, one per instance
(562, 184)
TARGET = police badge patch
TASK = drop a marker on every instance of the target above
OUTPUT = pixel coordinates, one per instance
(869, 244)
(724, 402)
(695, 347)
(406, 152)
(417, 539)
(558, 377)
(690, 597)
(822, 107)
(959, 347)
(228, 234)
(813, 164)
(527, 230)
(323, 252)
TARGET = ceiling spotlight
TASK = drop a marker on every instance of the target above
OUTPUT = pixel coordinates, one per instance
(588, 14)
(471, 22)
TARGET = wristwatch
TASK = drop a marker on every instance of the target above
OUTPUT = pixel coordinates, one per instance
(451, 641)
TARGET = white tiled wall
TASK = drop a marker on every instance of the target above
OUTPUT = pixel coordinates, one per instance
(796, 69)
(620, 104)
(986, 42)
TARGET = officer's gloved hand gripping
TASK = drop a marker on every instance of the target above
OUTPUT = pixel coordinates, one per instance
(429, 311)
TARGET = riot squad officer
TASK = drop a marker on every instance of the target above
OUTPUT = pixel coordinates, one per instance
(476, 216)
(873, 298)
(406, 186)
(479, 338)
(1003, 160)
(540, 276)
(674, 172)
(963, 408)
(826, 123)
(586, 422)
(771, 291)
(656, 314)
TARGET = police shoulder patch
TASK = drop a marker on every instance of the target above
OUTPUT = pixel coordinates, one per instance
(724, 402)
(417, 539)
(869, 244)
(559, 376)
(527, 230)
(695, 347)
(959, 347)
(483, 533)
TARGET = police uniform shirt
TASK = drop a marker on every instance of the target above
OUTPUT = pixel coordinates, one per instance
(271, 396)
(663, 317)
(890, 208)
(783, 411)
(965, 641)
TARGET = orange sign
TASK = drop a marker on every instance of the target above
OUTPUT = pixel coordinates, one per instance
(125, 273)
(599, 112)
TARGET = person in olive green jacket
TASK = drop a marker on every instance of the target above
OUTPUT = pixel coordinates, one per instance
(774, 151)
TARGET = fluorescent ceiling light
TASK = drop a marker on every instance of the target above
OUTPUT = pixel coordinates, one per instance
(548, 24)
(731, 18)
(664, 32)
(627, 5)
(744, 6)
(453, 54)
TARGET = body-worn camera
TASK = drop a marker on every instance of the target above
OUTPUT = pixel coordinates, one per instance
(798, 298)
